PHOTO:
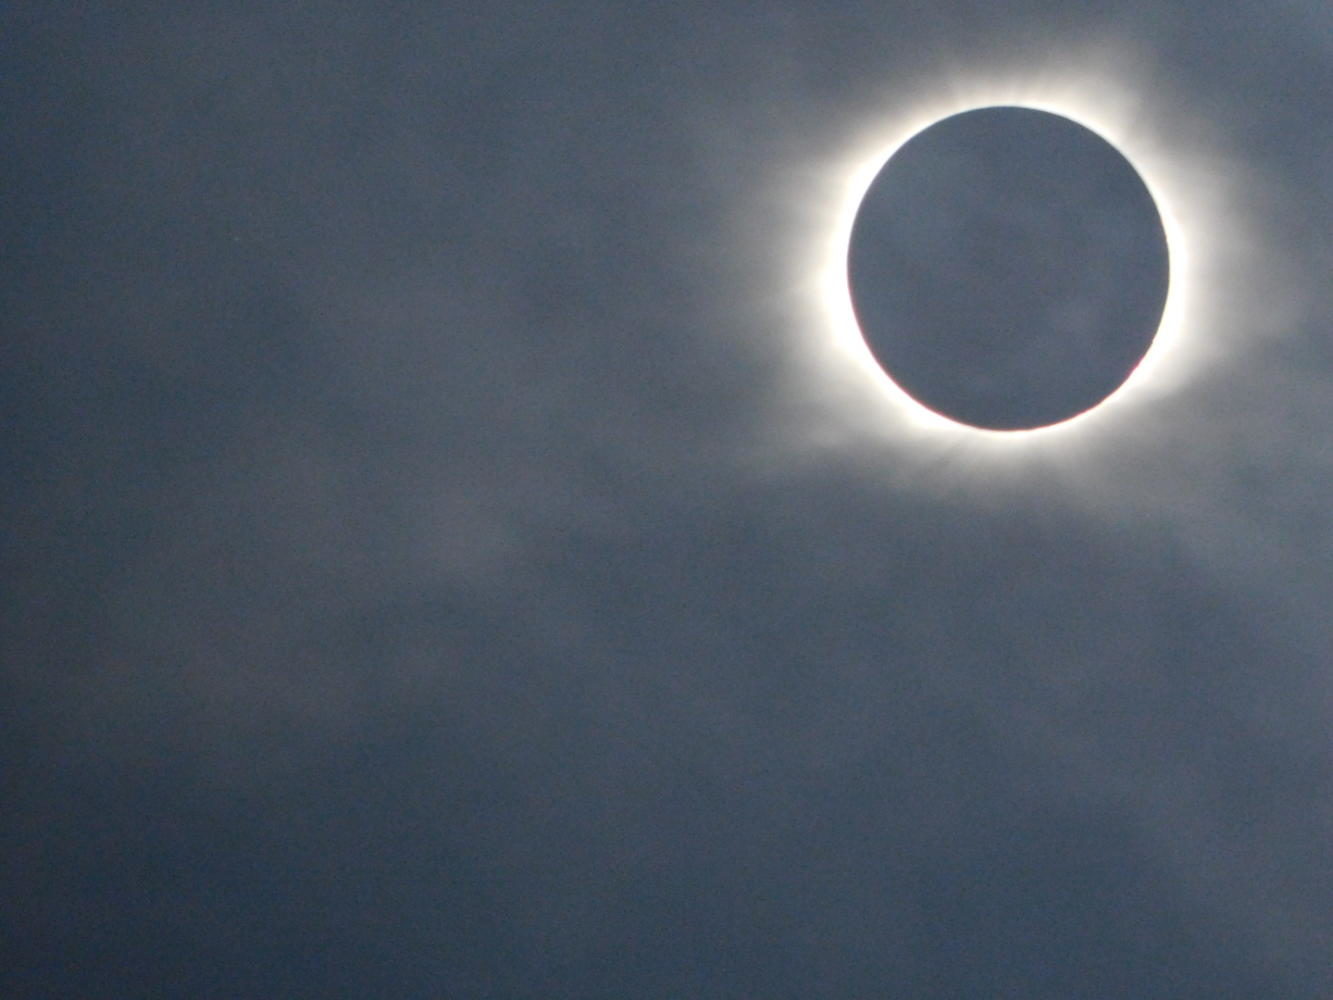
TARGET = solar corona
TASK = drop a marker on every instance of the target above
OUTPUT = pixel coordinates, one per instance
(1007, 269)
(1211, 284)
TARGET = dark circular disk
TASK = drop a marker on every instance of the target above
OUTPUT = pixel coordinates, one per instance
(1008, 268)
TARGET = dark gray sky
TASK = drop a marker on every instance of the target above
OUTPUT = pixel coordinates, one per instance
(445, 555)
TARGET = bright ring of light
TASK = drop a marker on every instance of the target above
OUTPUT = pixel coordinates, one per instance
(837, 304)
(1224, 285)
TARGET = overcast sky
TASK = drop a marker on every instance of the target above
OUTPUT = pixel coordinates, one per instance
(446, 556)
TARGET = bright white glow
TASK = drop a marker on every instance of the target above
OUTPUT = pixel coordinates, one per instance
(861, 170)
(850, 339)
(1215, 268)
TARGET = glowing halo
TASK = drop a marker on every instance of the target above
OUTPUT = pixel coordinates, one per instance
(839, 300)
(837, 303)
(1209, 242)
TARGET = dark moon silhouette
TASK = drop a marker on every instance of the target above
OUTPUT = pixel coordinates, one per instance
(1008, 268)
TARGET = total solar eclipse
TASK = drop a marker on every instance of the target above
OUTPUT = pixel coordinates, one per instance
(1008, 268)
